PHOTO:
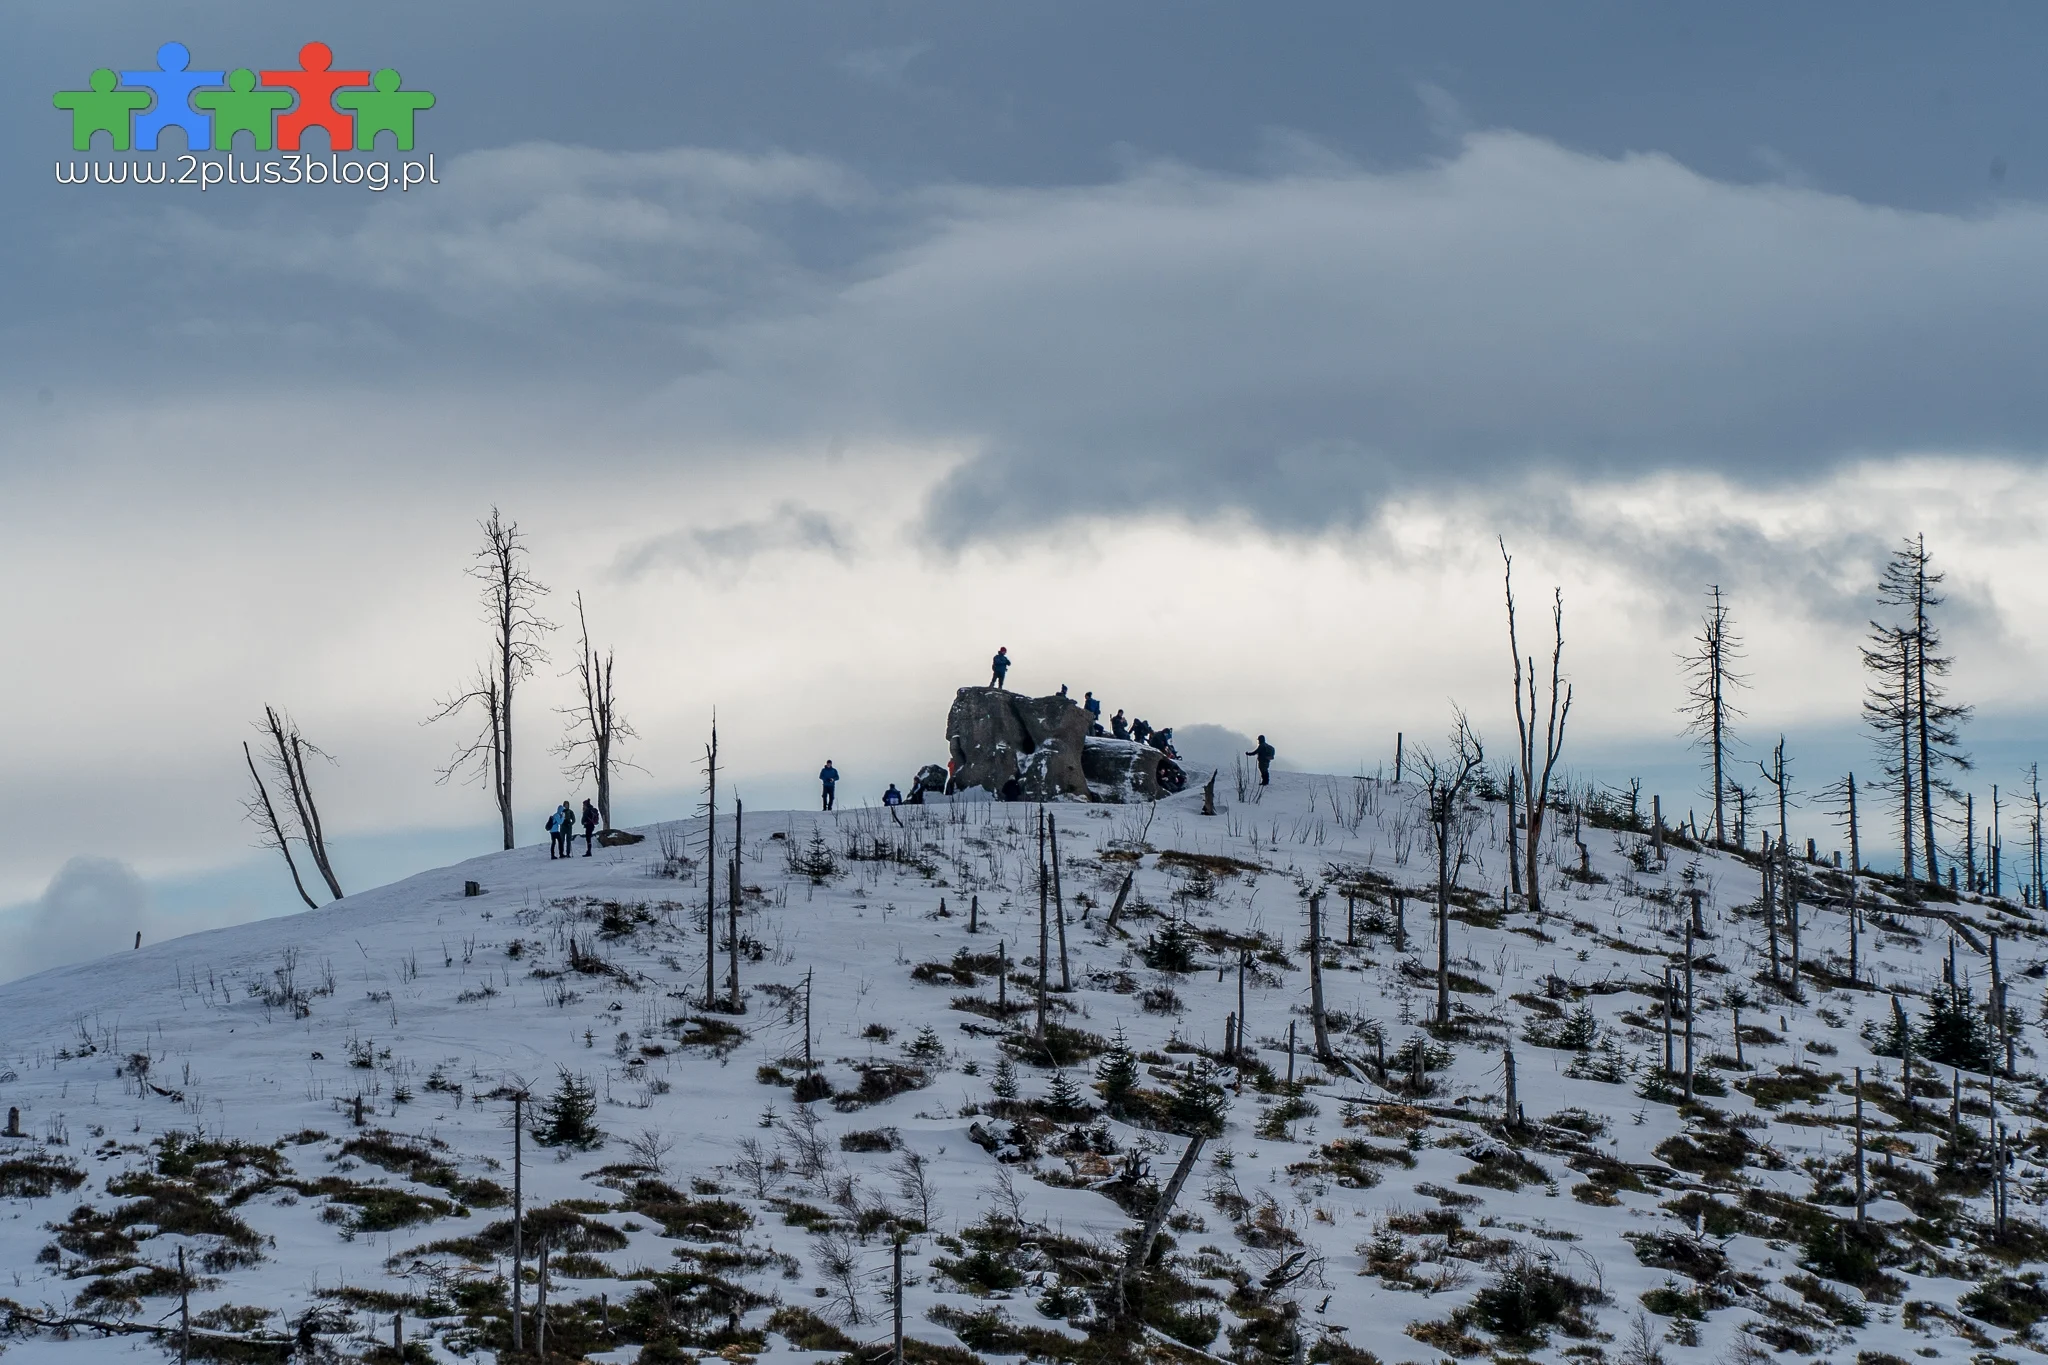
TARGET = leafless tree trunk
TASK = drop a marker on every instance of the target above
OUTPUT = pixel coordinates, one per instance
(1535, 784)
(284, 753)
(1148, 1235)
(264, 814)
(511, 596)
(288, 759)
(1446, 780)
(711, 869)
(1708, 712)
(595, 726)
(1317, 1020)
(732, 915)
(1782, 781)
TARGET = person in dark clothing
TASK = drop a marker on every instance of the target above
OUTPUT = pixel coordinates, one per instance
(590, 819)
(999, 667)
(1264, 753)
(1119, 728)
(892, 797)
(1091, 706)
(1141, 729)
(828, 777)
(1162, 740)
(1063, 693)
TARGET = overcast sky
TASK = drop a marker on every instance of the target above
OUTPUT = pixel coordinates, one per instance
(1197, 353)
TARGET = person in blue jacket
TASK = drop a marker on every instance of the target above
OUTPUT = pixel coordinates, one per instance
(892, 797)
(828, 776)
(554, 835)
(999, 667)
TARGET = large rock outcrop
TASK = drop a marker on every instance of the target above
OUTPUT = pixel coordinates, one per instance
(996, 737)
(1121, 769)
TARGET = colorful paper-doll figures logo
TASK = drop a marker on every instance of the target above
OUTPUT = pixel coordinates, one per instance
(134, 107)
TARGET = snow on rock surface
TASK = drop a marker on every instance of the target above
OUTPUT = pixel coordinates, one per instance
(202, 1094)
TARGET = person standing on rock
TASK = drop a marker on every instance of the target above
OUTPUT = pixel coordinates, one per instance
(999, 667)
(590, 819)
(1264, 754)
(828, 777)
(1092, 707)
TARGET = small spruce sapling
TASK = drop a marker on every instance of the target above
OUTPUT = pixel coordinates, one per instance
(568, 1118)
(1117, 1072)
(1063, 1098)
(1003, 1085)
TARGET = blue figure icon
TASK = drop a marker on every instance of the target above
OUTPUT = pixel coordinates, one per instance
(173, 86)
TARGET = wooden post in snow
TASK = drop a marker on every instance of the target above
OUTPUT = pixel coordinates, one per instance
(1059, 903)
(1141, 1250)
(1121, 892)
(518, 1222)
(1315, 977)
(1859, 1147)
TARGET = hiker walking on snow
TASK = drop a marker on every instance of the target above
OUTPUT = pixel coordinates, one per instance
(590, 819)
(999, 666)
(828, 776)
(1264, 753)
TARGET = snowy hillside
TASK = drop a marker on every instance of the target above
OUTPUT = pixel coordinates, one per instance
(203, 1095)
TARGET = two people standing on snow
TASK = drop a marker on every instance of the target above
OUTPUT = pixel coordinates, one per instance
(1264, 754)
(562, 831)
(828, 778)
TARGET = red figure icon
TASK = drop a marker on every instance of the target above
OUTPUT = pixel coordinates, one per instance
(315, 86)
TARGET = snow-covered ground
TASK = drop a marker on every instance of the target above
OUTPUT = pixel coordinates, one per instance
(202, 1094)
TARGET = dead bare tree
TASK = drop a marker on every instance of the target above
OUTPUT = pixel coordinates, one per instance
(511, 597)
(1447, 781)
(264, 815)
(1535, 782)
(595, 725)
(1709, 713)
(284, 753)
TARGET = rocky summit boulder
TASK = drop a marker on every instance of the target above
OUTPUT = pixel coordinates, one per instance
(996, 736)
(1121, 769)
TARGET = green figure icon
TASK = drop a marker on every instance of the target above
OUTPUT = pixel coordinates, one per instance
(101, 109)
(242, 108)
(387, 108)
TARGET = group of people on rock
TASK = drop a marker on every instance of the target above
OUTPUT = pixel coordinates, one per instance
(1139, 730)
(562, 830)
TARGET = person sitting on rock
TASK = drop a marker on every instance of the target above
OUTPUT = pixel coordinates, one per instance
(1063, 693)
(892, 797)
(1162, 740)
(999, 667)
(1119, 728)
